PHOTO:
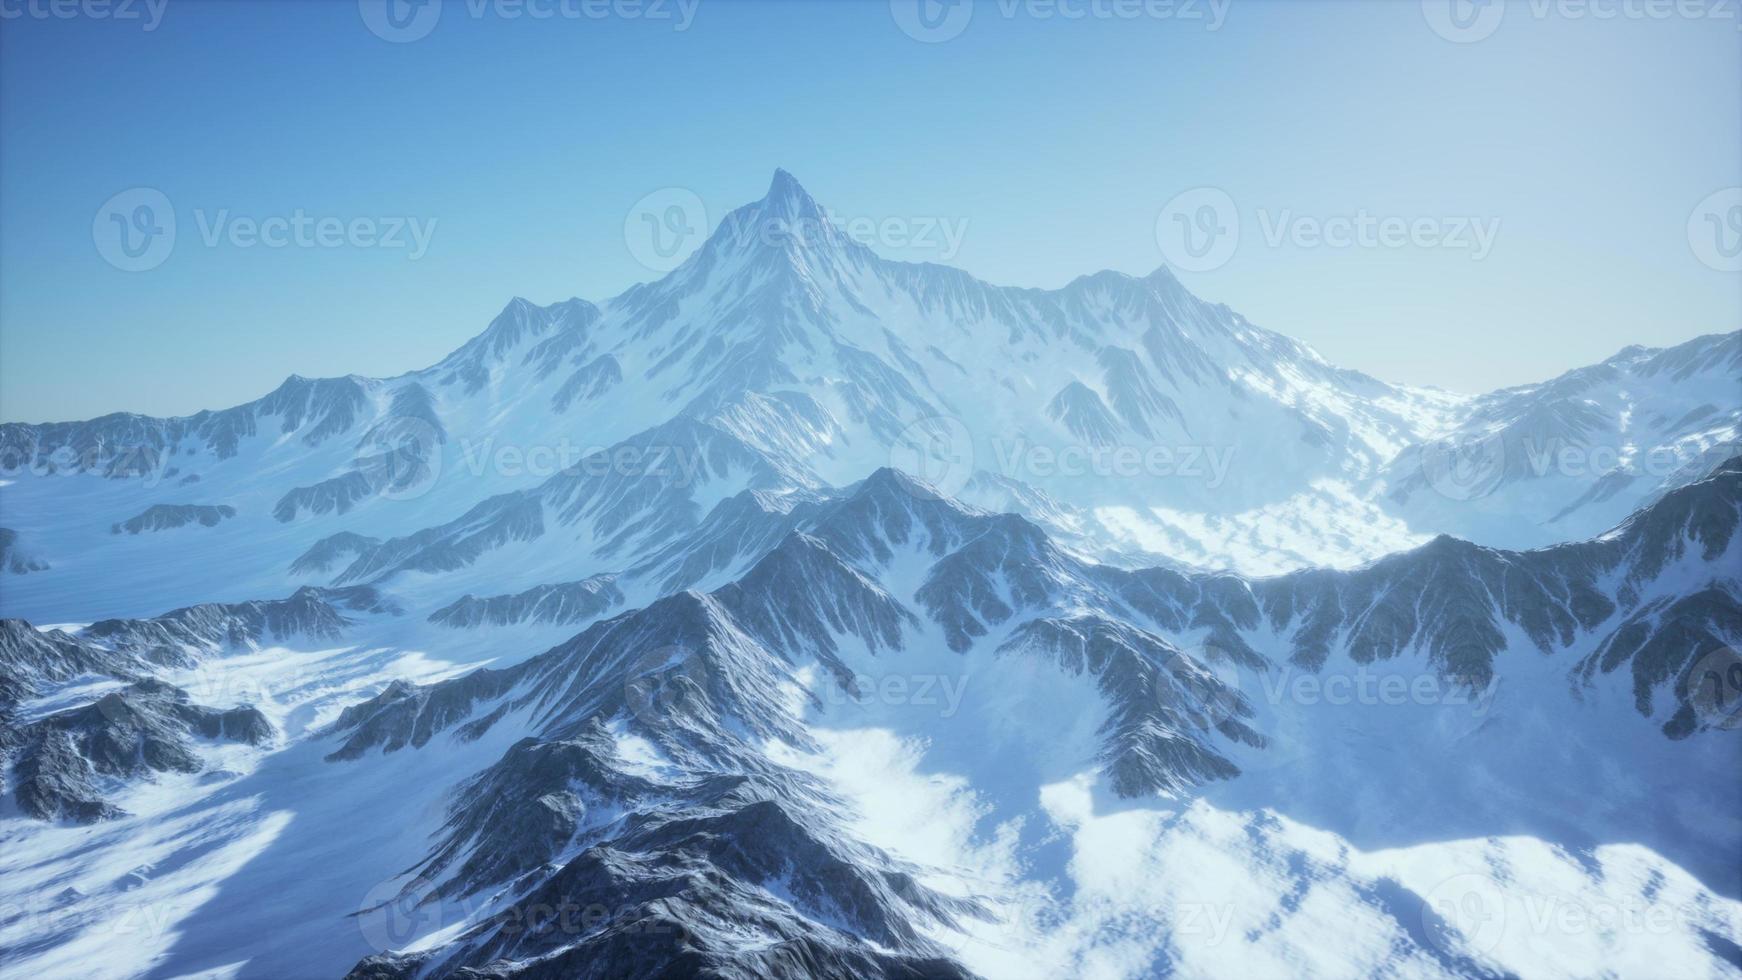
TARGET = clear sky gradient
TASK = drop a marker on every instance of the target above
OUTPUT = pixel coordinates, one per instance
(1050, 143)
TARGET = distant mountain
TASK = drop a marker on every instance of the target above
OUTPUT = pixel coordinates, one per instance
(1133, 420)
(1572, 456)
(804, 613)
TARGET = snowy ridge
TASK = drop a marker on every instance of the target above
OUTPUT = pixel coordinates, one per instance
(692, 691)
(883, 622)
(1143, 425)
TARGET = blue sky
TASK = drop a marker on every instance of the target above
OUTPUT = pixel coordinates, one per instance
(1052, 144)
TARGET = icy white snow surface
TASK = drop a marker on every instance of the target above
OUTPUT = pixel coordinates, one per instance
(991, 745)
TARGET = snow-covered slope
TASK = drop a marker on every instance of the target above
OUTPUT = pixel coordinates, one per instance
(913, 738)
(1567, 458)
(1138, 422)
(619, 642)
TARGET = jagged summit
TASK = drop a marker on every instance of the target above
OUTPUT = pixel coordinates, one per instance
(887, 479)
(787, 225)
(1235, 447)
(674, 605)
(786, 193)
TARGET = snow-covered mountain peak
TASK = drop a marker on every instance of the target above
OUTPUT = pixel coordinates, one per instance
(779, 628)
(1129, 417)
(786, 196)
(786, 222)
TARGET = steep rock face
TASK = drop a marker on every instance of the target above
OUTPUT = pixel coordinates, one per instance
(678, 895)
(64, 764)
(591, 380)
(557, 334)
(1572, 456)
(632, 498)
(681, 661)
(701, 850)
(838, 601)
(1135, 395)
(571, 815)
(568, 602)
(702, 681)
(126, 445)
(130, 649)
(1622, 591)
(163, 517)
(456, 544)
(395, 456)
(539, 798)
(644, 767)
(147, 727)
(736, 532)
(213, 627)
(330, 551)
(1084, 415)
(785, 356)
(334, 496)
(1163, 701)
(31, 658)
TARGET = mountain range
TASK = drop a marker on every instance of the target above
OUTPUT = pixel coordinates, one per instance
(806, 613)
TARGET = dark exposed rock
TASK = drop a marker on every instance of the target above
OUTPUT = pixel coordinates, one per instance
(564, 603)
(334, 496)
(214, 627)
(329, 551)
(125, 445)
(589, 381)
(640, 492)
(147, 727)
(710, 843)
(162, 517)
(1164, 703)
